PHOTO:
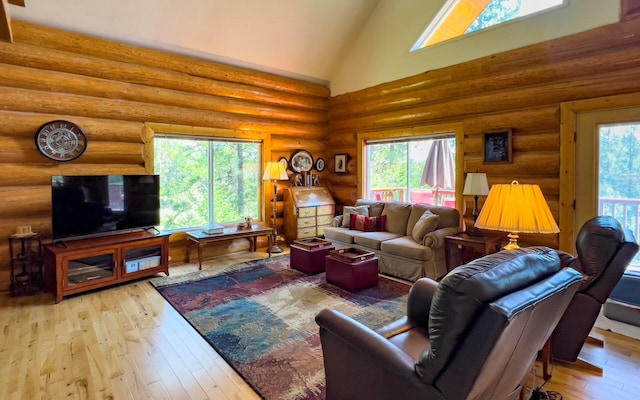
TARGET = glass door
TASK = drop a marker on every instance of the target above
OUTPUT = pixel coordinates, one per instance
(608, 168)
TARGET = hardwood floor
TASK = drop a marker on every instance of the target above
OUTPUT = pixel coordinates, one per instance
(127, 342)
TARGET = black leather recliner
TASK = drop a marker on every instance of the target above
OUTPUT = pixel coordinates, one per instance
(474, 335)
(604, 250)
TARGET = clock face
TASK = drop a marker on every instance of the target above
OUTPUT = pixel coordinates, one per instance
(61, 140)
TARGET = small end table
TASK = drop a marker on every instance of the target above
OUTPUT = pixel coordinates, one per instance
(463, 248)
(25, 254)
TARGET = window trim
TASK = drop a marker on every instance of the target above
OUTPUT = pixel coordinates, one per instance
(457, 128)
(151, 129)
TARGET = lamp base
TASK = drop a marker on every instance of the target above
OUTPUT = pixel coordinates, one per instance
(513, 242)
(275, 249)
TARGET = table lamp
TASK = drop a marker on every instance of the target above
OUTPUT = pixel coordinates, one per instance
(475, 185)
(275, 171)
(516, 209)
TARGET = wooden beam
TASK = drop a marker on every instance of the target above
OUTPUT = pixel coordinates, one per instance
(5, 23)
(17, 2)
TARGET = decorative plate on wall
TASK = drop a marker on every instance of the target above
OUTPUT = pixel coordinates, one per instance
(301, 161)
(320, 164)
(61, 140)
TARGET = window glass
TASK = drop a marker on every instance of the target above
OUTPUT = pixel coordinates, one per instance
(460, 17)
(205, 181)
(416, 170)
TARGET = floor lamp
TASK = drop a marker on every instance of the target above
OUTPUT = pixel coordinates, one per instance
(275, 171)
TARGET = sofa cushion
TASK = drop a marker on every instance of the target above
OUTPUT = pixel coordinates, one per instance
(405, 246)
(348, 210)
(427, 223)
(375, 207)
(397, 216)
(373, 239)
(339, 234)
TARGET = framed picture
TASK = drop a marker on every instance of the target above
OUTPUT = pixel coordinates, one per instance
(341, 163)
(497, 146)
(301, 161)
(320, 164)
(284, 161)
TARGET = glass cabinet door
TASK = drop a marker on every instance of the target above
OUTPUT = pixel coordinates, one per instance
(89, 269)
(140, 258)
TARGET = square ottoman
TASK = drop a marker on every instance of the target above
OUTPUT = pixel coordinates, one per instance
(308, 255)
(352, 269)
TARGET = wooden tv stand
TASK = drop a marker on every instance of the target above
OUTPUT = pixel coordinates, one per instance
(76, 266)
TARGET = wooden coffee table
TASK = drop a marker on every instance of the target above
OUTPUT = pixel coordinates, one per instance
(229, 233)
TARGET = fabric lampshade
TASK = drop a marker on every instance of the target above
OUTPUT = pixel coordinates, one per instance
(516, 209)
(275, 171)
(476, 184)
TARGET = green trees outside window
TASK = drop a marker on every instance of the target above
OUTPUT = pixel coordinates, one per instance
(205, 181)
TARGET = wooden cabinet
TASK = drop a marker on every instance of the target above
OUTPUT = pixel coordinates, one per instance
(307, 211)
(79, 265)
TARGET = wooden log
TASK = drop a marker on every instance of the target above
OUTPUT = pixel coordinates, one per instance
(342, 140)
(39, 35)
(522, 142)
(6, 33)
(40, 174)
(343, 180)
(24, 151)
(291, 144)
(568, 47)
(34, 79)
(53, 60)
(601, 85)
(344, 194)
(545, 118)
(20, 201)
(542, 72)
(539, 163)
(58, 103)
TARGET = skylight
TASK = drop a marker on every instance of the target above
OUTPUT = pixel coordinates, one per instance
(460, 17)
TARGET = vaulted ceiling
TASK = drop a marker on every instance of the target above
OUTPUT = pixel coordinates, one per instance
(345, 44)
(303, 38)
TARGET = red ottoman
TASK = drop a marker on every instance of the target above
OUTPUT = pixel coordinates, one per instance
(352, 269)
(308, 255)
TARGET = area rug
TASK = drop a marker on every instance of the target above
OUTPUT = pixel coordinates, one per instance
(259, 316)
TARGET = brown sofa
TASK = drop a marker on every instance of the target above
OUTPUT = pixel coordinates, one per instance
(474, 335)
(399, 253)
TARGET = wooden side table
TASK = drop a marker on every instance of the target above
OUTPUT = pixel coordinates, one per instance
(25, 254)
(462, 248)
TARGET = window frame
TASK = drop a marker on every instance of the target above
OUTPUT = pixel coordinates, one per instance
(419, 131)
(153, 129)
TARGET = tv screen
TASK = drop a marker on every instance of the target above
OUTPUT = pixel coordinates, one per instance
(102, 204)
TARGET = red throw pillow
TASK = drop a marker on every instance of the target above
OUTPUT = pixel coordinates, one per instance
(368, 224)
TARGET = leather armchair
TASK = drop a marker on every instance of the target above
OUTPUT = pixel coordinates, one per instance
(474, 335)
(604, 250)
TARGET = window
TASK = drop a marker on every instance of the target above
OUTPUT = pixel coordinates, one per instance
(460, 17)
(207, 180)
(416, 170)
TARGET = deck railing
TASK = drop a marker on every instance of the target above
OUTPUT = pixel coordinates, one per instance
(627, 211)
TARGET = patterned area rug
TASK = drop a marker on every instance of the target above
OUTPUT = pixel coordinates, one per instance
(259, 316)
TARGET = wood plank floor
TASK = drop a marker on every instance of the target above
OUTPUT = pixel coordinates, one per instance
(127, 342)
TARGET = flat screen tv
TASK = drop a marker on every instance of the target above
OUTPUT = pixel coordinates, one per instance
(85, 206)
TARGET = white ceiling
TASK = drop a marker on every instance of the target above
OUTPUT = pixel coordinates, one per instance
(299, 38)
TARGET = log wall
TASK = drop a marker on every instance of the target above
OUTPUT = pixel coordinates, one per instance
(113, 91)
(521, 89)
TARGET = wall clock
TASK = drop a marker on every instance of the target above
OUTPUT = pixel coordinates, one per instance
(61, 140)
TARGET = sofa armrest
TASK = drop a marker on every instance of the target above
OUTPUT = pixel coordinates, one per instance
(336, 222)
(435, 239)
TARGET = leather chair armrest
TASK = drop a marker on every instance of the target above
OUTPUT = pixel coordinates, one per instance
(363, 340)
(435, 239)
(419, 302)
